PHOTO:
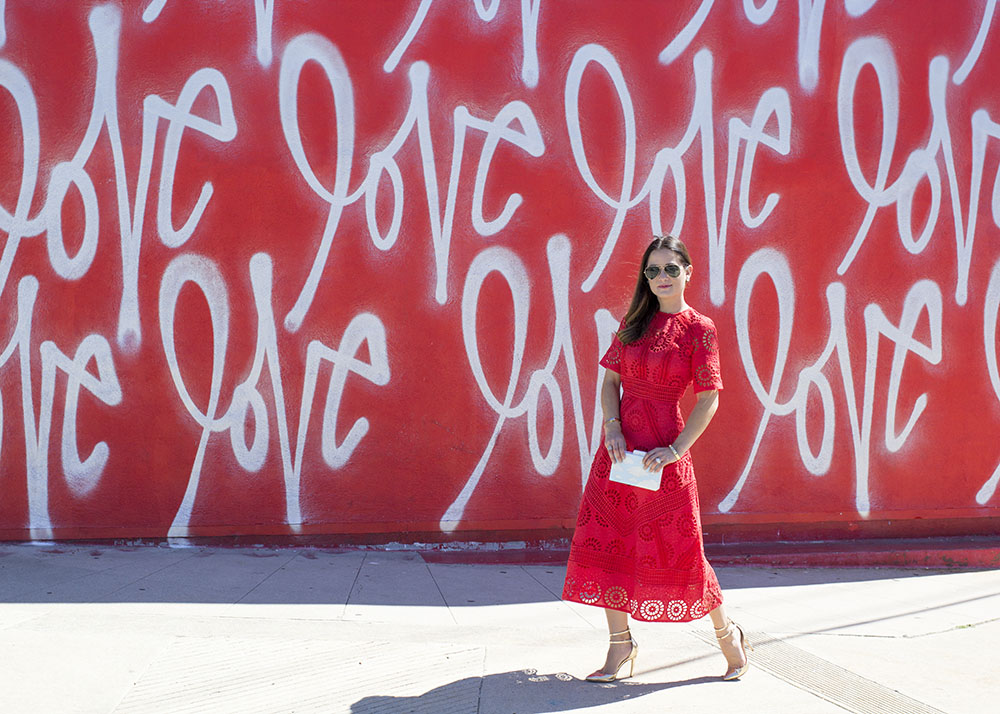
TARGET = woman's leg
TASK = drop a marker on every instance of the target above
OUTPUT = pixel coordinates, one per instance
(621, 644)
(729, 639)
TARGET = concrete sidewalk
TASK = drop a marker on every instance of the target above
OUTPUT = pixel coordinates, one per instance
(158, 629)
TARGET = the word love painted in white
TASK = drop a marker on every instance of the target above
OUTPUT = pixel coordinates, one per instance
(81, 475)
(105, 27)
(701, 126)
(315, 48)
(923, 296)
(246, 399)
(513, 271)
(921, 163)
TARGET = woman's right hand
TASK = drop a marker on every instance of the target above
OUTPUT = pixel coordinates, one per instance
(614, 442)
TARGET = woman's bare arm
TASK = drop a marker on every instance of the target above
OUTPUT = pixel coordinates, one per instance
(611, 407)
(698, 420)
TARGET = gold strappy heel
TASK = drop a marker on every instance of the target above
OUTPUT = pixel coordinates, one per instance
(722, 633)
(600, 676)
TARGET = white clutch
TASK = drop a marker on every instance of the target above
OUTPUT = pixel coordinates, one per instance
(631, 472)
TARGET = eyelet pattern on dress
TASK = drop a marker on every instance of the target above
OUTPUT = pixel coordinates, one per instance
(616, 596)
(635, 419)
(686, 525)
(651, 609)
(677, 609)
(704, 375)
(671, 482)
(590, 592)
(661, 342)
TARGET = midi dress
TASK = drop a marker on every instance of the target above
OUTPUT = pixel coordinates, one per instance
(636, 550)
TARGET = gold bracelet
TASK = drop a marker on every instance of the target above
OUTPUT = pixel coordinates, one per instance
(677, 456)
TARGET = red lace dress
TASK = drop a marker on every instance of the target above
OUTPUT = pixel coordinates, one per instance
(636, 550)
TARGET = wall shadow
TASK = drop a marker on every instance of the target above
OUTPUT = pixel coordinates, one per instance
(255, 576)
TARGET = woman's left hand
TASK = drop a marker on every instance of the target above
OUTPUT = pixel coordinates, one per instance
(656, 459)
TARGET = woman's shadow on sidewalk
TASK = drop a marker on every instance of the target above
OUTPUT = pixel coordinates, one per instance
(523, 692)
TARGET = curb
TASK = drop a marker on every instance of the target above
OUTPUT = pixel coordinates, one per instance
(962, 552)
(944, 553)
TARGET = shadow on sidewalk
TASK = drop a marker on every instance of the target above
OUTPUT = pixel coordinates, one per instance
(523, 691)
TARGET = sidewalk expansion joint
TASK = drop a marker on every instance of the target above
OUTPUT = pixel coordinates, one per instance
(905, 636)
(824, 679)
(270, 575)
(967, 626)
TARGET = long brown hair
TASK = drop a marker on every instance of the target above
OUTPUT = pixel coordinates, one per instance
(644, 303)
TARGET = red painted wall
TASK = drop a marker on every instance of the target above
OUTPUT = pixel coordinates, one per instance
(347, 268)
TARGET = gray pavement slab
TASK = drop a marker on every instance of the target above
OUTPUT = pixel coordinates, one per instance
(223, 576)
(160, 629)
(396, 587)
(499, 595)
(22, 574)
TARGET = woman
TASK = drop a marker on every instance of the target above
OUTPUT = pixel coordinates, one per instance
(635, 551)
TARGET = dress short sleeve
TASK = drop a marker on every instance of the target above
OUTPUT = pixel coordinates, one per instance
(612, 359)
(705, 370)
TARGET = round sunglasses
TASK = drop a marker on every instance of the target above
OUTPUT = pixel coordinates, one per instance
(653, 271)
